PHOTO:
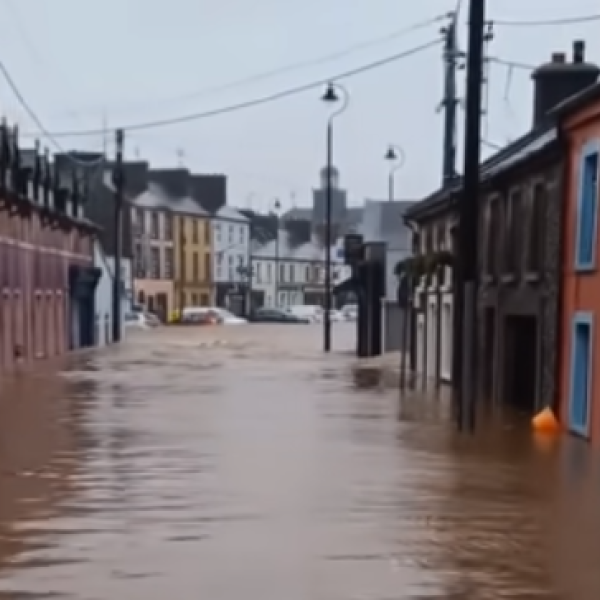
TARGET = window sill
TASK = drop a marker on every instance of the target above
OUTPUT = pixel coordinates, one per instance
(532, 277)
(508, 278)
(583, 269)
(488, 279)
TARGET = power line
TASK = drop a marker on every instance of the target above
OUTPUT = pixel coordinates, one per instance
(34, 117)
(511, 63)
(547, 22)
(292, 67)
(154, 124)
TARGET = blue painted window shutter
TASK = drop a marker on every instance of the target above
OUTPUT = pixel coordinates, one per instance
(587, 216)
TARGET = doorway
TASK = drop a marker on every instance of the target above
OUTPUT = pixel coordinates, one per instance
(489, 337)
(521, 363)
(162, 302)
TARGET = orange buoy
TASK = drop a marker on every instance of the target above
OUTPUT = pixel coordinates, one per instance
(545, 421)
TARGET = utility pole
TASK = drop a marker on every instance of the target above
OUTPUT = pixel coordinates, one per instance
(277, 207)
(449, 105)
(466, 263)
(450, 102)
(327, 314)
(118, 182)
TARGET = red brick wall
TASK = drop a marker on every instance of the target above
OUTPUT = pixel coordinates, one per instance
(34, 295)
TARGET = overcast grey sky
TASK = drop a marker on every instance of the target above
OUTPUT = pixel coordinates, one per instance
(141, 60)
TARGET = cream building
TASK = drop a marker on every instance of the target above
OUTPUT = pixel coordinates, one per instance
(152, 222)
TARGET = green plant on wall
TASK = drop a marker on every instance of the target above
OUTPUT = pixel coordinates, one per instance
(423, 265)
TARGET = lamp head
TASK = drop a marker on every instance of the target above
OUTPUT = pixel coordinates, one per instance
(330, 94)
(391, 154)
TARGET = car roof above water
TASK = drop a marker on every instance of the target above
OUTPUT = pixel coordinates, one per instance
(307, 309)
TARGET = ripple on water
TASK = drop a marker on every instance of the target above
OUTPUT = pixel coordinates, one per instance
(256, 468)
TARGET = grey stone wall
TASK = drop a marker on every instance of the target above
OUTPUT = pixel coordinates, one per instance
(521, 292)
(552, 276)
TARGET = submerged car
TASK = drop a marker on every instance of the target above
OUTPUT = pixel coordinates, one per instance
(137, 320)
(276, 315)
(228, 318)
(199, 315)
(350, 312)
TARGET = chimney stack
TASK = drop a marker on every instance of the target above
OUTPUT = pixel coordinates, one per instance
(558, 80)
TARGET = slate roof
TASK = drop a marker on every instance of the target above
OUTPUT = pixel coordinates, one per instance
(354, 215)
(156, 198)
(308, 252)
(516, 153)
(589, 94)
(231, 214)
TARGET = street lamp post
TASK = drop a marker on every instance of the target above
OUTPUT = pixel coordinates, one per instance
(277, 207)
(332, 94)
(246, 272)
(395, 155)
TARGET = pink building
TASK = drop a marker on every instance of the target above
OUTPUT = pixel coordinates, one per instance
(47, 278)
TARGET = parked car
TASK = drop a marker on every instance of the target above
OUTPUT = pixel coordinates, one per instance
(276, 315)
(200, 315)
(350, 312)
(151, 319)
(228, 318)
(136, 320)
(335, 316)
(312, 312)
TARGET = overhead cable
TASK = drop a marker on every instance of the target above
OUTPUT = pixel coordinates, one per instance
(547, 22)
(292, 67)
(511, 63)
(176, 120)
(34, 117)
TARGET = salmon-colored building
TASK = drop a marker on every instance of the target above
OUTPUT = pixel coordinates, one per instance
(47, 278)
(580, 348)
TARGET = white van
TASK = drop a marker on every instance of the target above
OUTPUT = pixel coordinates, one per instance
(307, 311)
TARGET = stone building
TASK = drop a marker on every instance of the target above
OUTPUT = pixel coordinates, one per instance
(520, 246)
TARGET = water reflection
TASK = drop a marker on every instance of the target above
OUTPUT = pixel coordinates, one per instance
(40, 429)
(258, 469)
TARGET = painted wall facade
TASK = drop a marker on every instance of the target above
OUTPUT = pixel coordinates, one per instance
(231, 259)
(154, 257)
(36, 310)
(104, 294)
(580, 348)
(193, 261)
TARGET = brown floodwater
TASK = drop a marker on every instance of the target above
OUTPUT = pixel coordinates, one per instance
(240, 462)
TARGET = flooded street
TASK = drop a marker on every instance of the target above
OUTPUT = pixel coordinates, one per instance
(240, 463)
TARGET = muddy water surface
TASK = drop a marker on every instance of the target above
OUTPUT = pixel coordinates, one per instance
(240, 462)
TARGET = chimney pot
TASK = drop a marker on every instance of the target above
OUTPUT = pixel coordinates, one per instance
(559, 58)
(578, 51)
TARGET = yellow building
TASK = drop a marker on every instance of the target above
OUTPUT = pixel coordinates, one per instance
(193, 259)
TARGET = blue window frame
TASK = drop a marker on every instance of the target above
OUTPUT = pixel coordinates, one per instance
(580, 394)
(587, 208)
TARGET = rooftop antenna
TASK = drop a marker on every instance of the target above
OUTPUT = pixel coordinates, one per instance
(180, 157)
(293, 199)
